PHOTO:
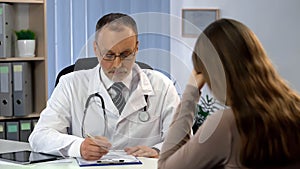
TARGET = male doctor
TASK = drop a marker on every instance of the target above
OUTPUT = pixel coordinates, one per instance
(91, 112)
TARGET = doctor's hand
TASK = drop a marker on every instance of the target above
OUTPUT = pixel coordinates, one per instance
(93, 148)
(142, 151)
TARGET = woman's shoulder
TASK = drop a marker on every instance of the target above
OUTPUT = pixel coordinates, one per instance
(225, 118)
(219, 122)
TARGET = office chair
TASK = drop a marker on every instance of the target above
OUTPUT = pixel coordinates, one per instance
(88, 63)
(64, 71)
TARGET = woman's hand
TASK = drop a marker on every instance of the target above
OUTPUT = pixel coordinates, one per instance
(196, 79)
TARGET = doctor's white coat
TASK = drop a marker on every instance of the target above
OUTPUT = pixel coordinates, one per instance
(65, 113)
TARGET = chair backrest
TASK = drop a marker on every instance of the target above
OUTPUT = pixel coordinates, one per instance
(64, 71)
(88, 63)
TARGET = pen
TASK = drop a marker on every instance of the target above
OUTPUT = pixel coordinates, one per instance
(92, 137)
(110, 161)
(104, 147)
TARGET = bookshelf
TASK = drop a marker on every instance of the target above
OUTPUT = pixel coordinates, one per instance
(31, 14)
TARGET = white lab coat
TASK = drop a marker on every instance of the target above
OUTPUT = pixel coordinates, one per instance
(65, 110)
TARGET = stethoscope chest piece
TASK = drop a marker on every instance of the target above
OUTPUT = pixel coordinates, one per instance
(144, 116)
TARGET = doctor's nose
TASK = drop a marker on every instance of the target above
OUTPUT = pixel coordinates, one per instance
(117, 62)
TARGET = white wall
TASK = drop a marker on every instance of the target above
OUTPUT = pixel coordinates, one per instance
(275, 22)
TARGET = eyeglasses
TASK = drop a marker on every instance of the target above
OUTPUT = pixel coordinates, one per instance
(125, 55)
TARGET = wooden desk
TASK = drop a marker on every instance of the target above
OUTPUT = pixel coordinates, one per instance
(9, 146)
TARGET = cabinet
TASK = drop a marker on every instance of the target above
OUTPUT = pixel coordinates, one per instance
(31, 14)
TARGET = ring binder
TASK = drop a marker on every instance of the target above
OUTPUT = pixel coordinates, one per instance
(12, 130)
(22, 89)
(25, 130)
(6, 30)
(6, 96)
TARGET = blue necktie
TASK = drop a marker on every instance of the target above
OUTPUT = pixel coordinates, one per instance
(118, 100)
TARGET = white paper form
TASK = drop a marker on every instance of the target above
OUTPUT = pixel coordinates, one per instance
(113, 157)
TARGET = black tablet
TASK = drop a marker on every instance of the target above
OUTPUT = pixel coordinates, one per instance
(27, 157)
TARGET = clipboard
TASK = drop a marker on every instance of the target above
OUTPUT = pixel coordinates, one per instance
(113, 157)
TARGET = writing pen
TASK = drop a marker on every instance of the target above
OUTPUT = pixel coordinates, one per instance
(104, 147)
(92, 137)
(110, 161)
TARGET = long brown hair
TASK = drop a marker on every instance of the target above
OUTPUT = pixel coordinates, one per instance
(266, 109)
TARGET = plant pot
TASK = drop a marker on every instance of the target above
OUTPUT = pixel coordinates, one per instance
(26, 48)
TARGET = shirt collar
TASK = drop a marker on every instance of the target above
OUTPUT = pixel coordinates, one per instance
(137, 76)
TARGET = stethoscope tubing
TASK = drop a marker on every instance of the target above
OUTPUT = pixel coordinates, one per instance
(87, 103)
(86, 108)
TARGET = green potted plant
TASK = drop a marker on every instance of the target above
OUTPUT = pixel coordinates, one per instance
(25, 43)
(206, 106)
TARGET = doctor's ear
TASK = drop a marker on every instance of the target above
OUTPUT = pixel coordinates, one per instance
(137, 45)
(99, 59)
(96, 51)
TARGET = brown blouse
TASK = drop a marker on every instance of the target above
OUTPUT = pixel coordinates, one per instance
(215, 145)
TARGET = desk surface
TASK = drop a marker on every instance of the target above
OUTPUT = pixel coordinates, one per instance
(9, 146)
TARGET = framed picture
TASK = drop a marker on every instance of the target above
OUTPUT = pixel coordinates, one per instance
(195, 21)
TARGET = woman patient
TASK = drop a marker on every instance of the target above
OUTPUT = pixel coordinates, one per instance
(261, 127)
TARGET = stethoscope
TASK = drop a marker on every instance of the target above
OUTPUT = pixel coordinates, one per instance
(143, 116)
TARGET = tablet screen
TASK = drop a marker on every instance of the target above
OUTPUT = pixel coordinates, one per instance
(26, 157)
